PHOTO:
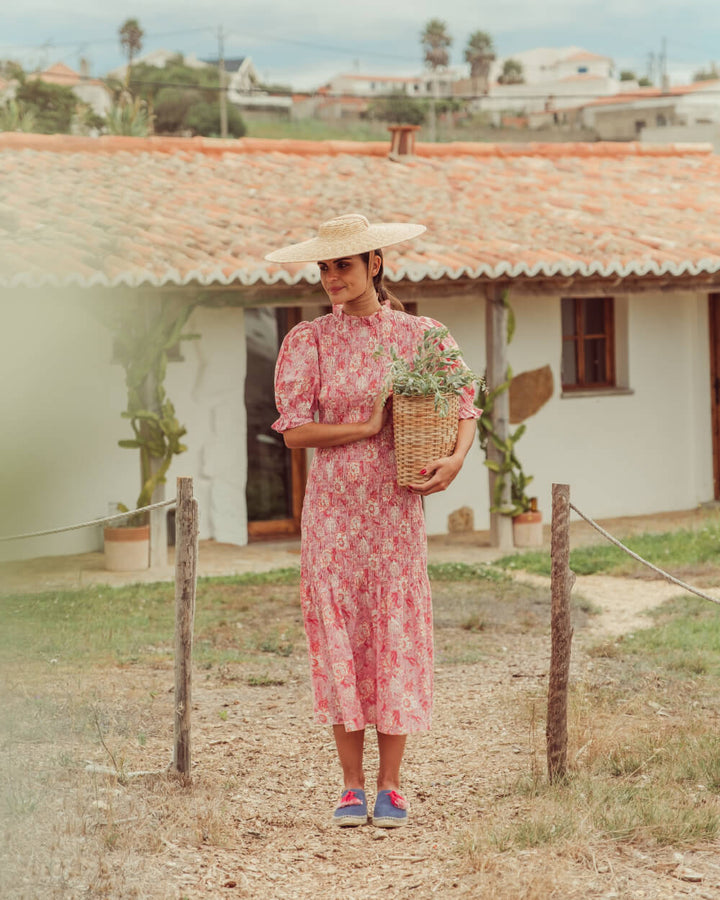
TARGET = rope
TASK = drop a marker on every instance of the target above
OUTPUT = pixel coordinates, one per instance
(661, 572)
(19, 537)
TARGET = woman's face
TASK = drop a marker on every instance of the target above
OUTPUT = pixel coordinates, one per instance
(345, 279)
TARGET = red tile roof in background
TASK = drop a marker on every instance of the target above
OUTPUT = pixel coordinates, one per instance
(162, 211)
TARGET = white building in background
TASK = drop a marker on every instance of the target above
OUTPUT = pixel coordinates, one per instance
(554, 79)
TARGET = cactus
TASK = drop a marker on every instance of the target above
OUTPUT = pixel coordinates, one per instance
(509, 466)
(142, 343)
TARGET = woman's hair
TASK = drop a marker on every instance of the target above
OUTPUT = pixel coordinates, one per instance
(379, 283)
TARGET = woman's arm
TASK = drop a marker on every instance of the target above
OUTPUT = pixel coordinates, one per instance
(315, 434)
(446, 468)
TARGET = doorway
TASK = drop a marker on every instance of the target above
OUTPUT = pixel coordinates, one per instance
(276, 475)
(714, 308)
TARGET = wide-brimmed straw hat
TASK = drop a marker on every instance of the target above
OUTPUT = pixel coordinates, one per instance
(347, 236)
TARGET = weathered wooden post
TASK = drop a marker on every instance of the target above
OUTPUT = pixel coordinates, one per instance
(562, 580)
(186, 552)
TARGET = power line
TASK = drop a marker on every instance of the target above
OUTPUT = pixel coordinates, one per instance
(96, 41)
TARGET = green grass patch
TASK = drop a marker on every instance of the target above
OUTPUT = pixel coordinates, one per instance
(455, 571)
(684, 640)
(672, 551)
(314, 130)
(235, 617)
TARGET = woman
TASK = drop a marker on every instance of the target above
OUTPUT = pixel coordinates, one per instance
(364, 586)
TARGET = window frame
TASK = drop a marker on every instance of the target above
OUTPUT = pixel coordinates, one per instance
(580, 336)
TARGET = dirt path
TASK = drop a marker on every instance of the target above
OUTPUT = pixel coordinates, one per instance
(255, 821)
(622, 604)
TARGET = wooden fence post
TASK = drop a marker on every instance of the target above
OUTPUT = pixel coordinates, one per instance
(562, 580)
(186, 551)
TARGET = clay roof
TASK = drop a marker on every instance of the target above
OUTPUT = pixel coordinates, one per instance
(158, 211)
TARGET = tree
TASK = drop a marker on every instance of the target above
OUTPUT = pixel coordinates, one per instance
(131, 35)
(512, 72)
(480, 53)
(397, 108)
(628, 75)
(710, 74)
(435, 41)
(171, 107)
(53, 105)
(204, 119)
(147, 81)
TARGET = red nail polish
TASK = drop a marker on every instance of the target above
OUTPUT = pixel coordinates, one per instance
(423, 471)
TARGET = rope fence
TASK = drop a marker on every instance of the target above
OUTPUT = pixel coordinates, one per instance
(186, 556)
(661, 572)
(114, 518)
(562, 579)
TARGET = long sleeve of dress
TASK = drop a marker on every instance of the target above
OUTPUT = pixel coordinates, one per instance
(297, 378)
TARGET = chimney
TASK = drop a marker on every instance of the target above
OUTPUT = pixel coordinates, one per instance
(84, 68)
(402, 140)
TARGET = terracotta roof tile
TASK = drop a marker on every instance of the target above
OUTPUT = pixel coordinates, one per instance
(171, 211)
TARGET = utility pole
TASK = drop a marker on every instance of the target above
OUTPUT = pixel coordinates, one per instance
(664, 80)
(223, 88)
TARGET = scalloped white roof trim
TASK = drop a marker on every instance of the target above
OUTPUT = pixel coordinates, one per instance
(414, 273)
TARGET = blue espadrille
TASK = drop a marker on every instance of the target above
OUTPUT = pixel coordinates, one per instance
(352, 809)
(390, 810)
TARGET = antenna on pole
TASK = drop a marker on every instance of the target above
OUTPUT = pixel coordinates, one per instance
(223, 90)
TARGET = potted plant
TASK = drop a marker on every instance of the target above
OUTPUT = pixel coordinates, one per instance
(527, 520)
(426, 398)
(143, 339)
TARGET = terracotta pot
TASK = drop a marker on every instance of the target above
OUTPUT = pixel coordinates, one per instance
(527, 529)
(127, 549)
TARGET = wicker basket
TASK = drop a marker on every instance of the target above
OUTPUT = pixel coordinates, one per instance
(422, 434)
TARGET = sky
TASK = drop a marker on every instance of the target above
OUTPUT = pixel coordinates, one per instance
(305, 44)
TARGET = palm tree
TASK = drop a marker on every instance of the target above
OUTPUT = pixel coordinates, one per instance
(480, 53)
(131, 35)
(435, 41)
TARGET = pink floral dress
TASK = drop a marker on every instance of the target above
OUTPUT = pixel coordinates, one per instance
(364, 585)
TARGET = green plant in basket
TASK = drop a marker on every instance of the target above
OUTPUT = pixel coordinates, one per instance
(434, 370)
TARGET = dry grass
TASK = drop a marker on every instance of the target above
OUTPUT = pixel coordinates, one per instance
(89, 808)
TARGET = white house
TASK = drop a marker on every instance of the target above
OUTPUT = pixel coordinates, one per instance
(90, 90)
(609, 253)
(554, 78)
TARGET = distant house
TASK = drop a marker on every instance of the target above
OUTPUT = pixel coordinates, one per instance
(89, 90)
(609, 253)
(626, 116)
(244, 90)
(563, 78)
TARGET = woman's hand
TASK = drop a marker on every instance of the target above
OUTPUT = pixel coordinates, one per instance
(380, 412)
(442, 472)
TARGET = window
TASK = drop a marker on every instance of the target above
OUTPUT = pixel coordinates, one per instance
(588, 343)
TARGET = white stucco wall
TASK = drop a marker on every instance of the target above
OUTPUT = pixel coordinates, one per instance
(61, 408)
(648, 450)
(60, 411)
(465, 317)
(208, 392)
(624, 454)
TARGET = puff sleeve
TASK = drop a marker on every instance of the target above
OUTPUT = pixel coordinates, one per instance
(297, 378)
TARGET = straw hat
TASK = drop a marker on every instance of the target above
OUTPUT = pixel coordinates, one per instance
(347, 236)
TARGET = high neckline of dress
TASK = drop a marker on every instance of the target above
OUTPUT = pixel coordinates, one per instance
(366, 320)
